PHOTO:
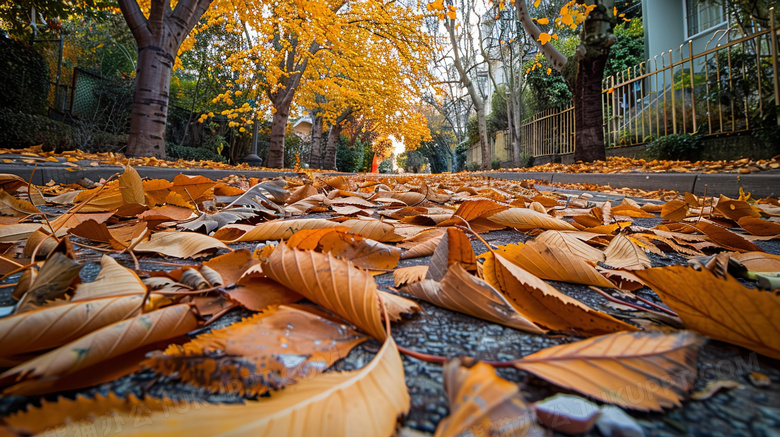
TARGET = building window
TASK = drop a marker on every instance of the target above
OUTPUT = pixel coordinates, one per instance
(702, 15)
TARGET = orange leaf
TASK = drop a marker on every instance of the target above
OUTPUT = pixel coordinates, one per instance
(614, 368)
(454, 248)
(720, 308)
(757, 226)
(726, 238)
(675, 210)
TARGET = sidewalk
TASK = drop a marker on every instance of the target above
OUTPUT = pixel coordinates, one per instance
(766, 184)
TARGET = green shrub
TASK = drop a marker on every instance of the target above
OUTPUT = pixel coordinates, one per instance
(684, 147)
(495, 164)
(526, 160)
(19, 130)
(24, 78)
(176, 151)
(473, 166)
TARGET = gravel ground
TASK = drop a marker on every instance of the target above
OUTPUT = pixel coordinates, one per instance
(743, 411)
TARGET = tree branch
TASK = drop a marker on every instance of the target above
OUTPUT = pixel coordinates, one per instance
(136, 21)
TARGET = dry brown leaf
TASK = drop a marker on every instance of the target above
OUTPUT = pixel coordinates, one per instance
(426, 245)
(736, 209)
(473, 209)
(408, 275)
(623, 254)
(309, 239)
(465, 293)
(571, 242)
(454, 248)
(335, 404)
(373, 229)
(10, 205)
(645, 371)
(396, 305)
(758, 261)
(54, 279)
(113, 280)
(269, 350)
(526, 219)
(180, 244)
(100, 356)
(482, 401)
(272, 230)
(553, 263)
(131, 186)
(194, 188)
(726, 238)
(18, 232)
(720, 308)
(675, 210)
(545, 305)
(757, 226)
(53, 326)
(332, 283)
(362, 252)
(630, 211)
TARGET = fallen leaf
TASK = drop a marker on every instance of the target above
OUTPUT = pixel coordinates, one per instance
(10, 205)
(571, 242)
(758, 261)
(408, 275)
(714, 387)
(525, 219)
(396, 306)
(52, 282)
(362, 252)
(645, 371)
(180, 244)
(332, 283)
(675, 210)
(758, 226)
(268, 351)
(131, 186)
(272, 230)
(100, 356)
(50, 327)
(726, 238)
(720, 308)
(553, 263)
(462, 292)
(454, 248)
(480, 400)
(735, 209)
(545, 305)
(623, 254)
(113, 280)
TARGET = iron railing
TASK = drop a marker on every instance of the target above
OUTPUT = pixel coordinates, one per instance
(732, 86)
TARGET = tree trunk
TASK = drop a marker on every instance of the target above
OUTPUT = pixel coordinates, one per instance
(589, 118)
(278, 130)
(150, 104)
(329, 162)
(316, 143)
(484, 142)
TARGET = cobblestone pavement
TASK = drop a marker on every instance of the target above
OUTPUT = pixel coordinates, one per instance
(744, 411)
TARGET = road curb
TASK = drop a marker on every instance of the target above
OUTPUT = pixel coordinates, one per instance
(728, 184)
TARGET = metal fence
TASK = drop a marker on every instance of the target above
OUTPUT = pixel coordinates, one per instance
(732, 86)
(549, 132)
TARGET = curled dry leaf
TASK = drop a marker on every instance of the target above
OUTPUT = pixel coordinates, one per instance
(726, 238)
(675, 210)
(332, 283)
(396, 305)
(10, 205)
(641, 371)
(373, 229)
(49, 327)
(180, 244)
(100, 356)
(113, 280)
(273, 230)
(553, 264)
(624, 254)
(422, 244)
(269, 350)
(362, 252)
(467, 294)
(454, 248)
(758, 226)
(571, 242)
(408, 275)
(758, 261)
(545, 305)
(526, 219)
(720, 308)
(131, 187)
(52, 281)
(481, 400)
(309, 239)
(736, 209)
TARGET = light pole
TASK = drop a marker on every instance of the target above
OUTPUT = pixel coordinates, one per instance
(252, 159)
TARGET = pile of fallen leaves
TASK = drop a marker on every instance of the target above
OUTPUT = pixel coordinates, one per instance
(309, 283)
(619, 164)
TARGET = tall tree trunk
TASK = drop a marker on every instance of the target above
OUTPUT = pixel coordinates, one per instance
(150, 104)
(316, 143)
(589, 116)
(275, 157)
(158, 37)
(329, 162)
(484, 141)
